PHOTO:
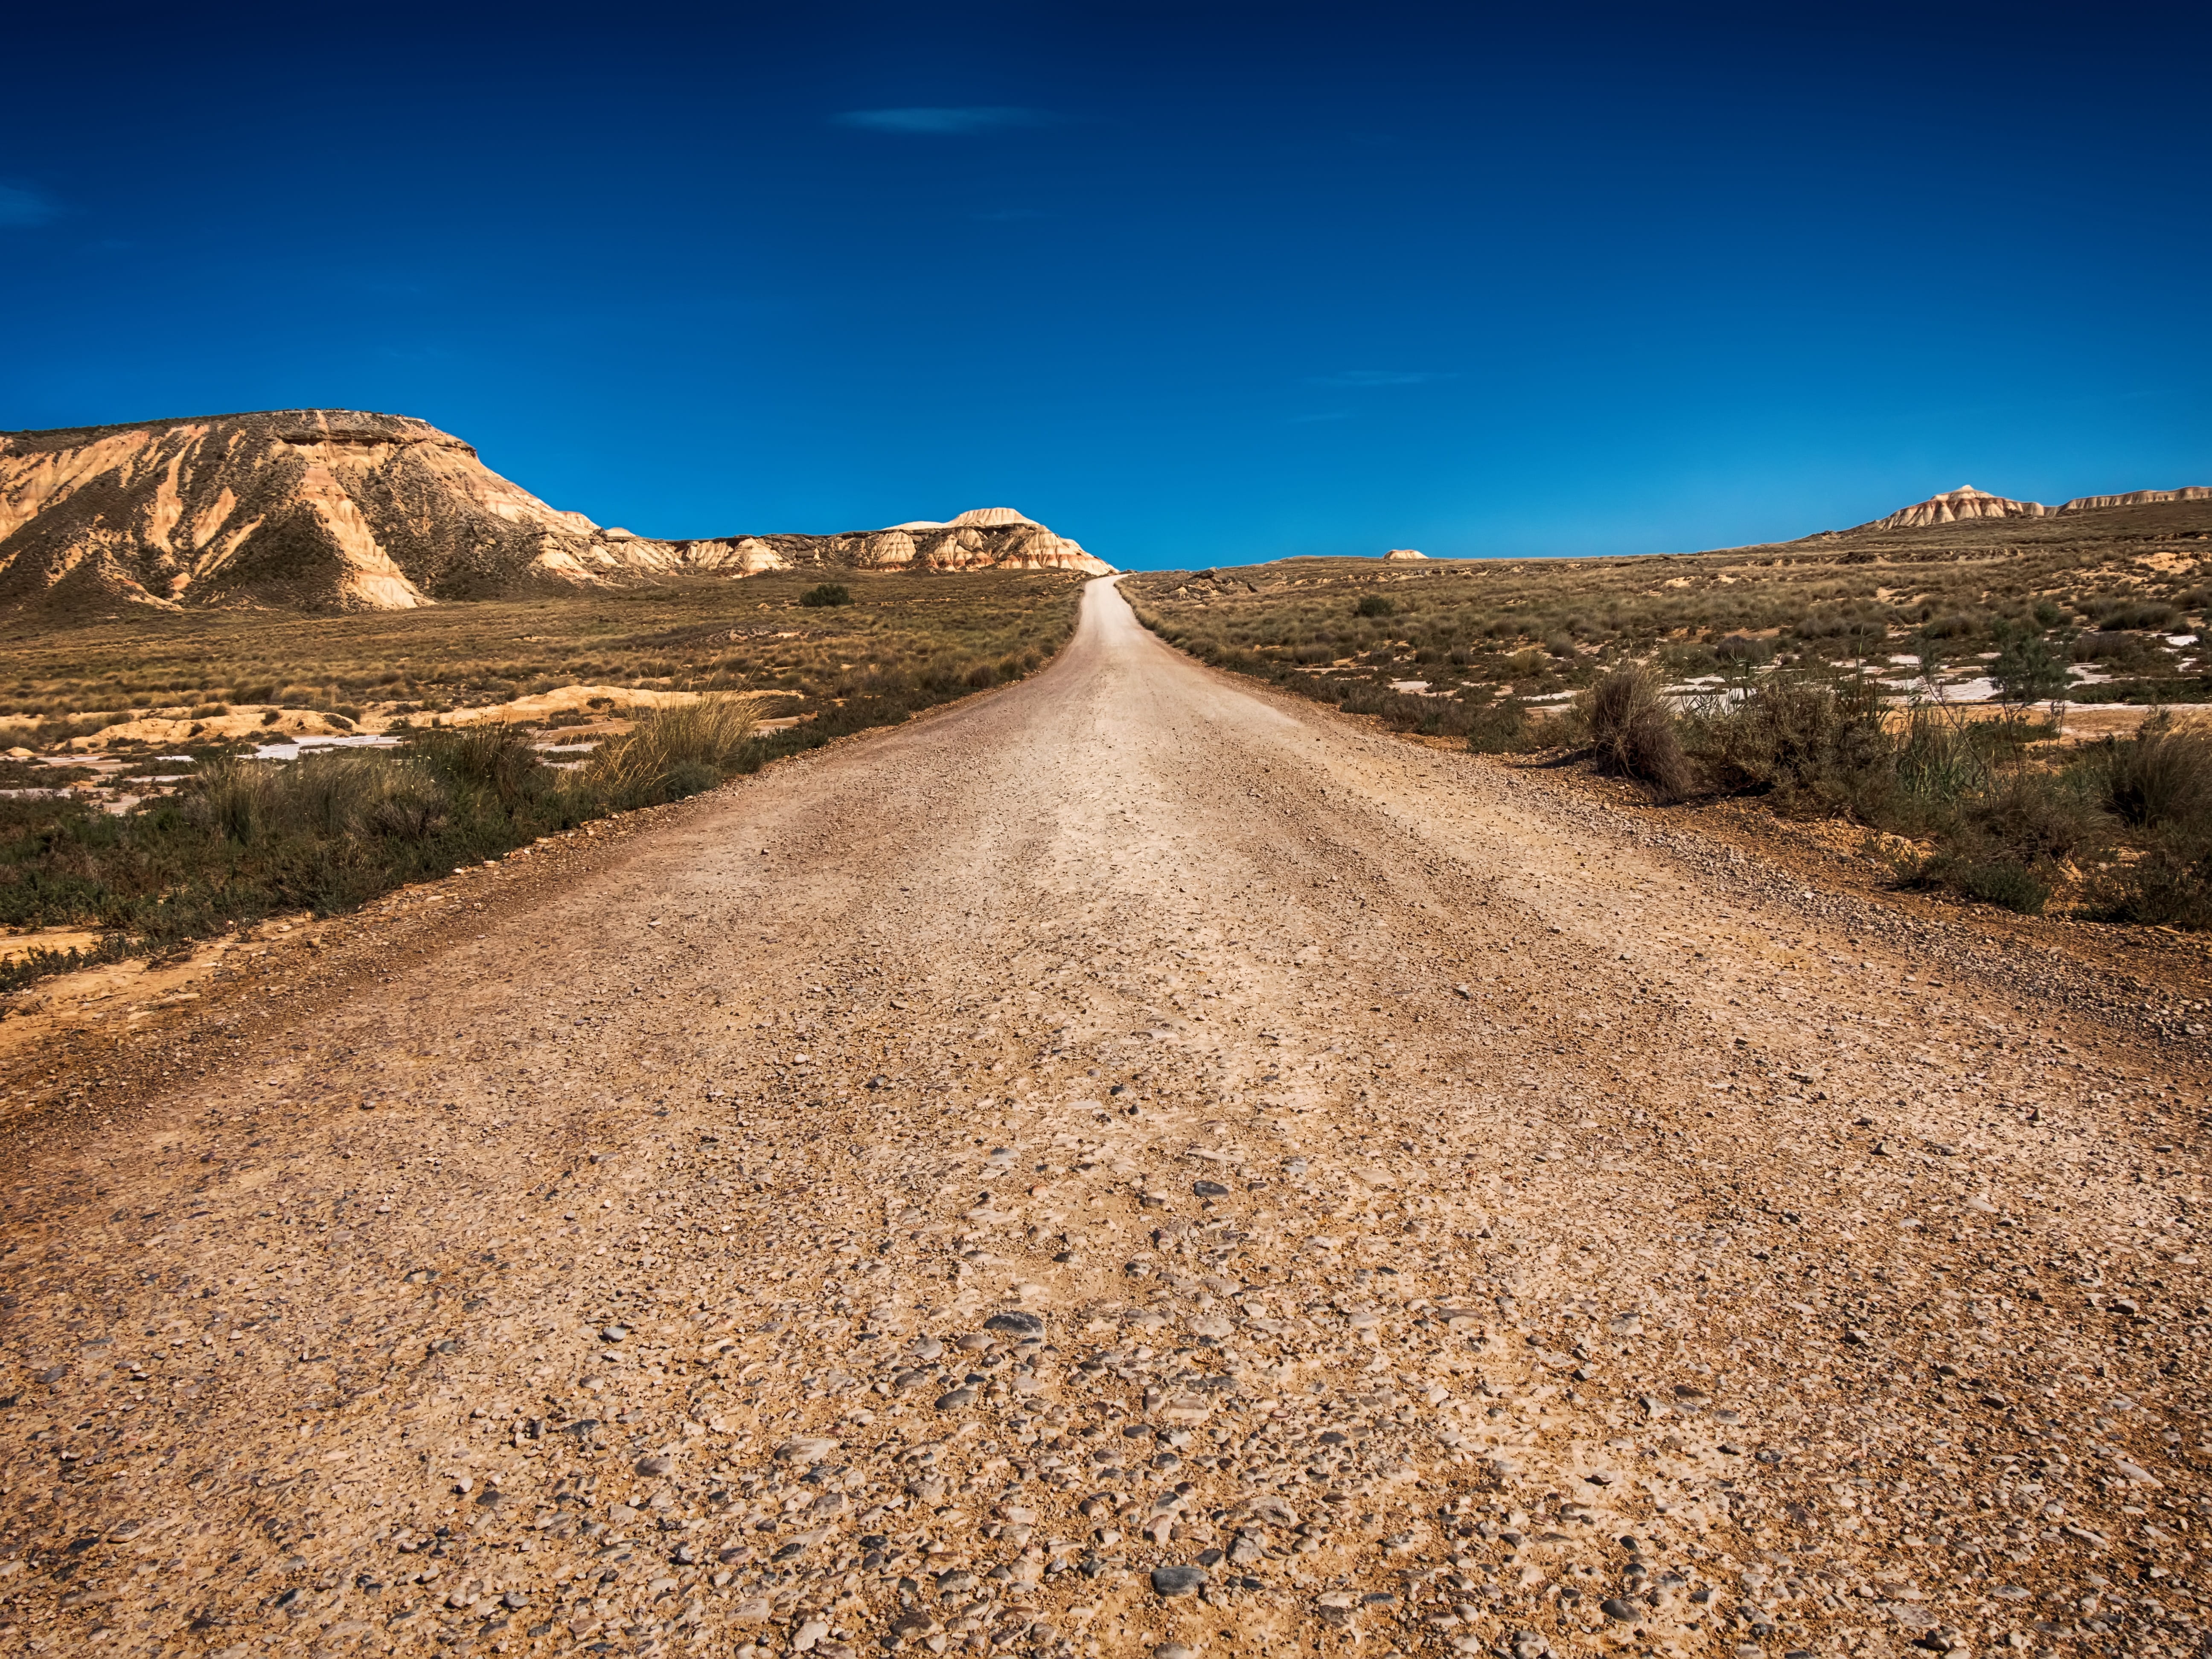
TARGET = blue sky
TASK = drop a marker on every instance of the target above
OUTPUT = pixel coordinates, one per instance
(1194, 283)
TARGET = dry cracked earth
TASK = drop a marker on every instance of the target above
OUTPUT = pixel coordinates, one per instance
(1124, 1166)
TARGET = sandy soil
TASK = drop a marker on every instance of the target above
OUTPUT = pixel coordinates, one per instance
(1125, 1164)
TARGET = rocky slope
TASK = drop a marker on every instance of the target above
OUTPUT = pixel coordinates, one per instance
(337, 508)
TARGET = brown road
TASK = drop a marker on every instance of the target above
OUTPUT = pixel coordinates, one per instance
(1128, 1123)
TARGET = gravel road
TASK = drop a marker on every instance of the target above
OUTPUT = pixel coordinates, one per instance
(1124, 1165)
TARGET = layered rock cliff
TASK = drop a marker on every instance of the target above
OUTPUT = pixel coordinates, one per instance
(1955, 505)
(2138, 498)
(337, 508)
(1967, 502)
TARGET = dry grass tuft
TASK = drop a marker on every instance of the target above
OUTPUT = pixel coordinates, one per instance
(674, 752)
(1632, 733)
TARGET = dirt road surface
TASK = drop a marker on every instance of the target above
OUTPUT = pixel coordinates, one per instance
(1126, 1165)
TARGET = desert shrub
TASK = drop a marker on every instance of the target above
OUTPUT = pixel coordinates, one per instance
(1741, 648)
(1375, 605)
(2005, 847)
(1938, 762)
(1502, 728)
(1632, 733)
(41, 962)
(2115, 650)
(673, 752)
(826, 594)
(490, 754)
(2034, 819)
(2159, 782)
(2002, 882)
(1830, 623)
(1401, 710)
(2117, 613)
(2158, 779)
(328, 796)
(53, 733)
(2169, 886)
(1816, 746)
(2026, 670)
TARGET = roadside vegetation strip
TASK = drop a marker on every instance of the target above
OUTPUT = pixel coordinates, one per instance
(234, 840)
(1778, 678)
(365, 670)
(2115, 593)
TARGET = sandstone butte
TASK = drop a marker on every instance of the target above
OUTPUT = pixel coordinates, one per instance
(1954, 506)
(337, 508)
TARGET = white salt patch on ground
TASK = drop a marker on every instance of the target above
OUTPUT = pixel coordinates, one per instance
(294, 748)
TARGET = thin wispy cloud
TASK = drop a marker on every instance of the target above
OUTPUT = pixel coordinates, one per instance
(21, 207)
(940, 120)
(1365, 377)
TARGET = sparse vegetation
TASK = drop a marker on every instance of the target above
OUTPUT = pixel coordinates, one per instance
(1818, 677)
(705, 635)
(241, 839)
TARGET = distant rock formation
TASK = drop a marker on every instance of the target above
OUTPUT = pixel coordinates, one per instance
(1013, 543)
(1402, 554)
(1957, 506)
(2138, 498)
(340, 509)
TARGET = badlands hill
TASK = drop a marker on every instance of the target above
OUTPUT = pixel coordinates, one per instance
(338, 509)
(1965, 503)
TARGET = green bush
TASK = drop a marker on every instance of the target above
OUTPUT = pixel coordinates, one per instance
(828, 594)
(1375, 605)
(1939, 765)
(2025, 671)
(1818, 748)
(1503, 727)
